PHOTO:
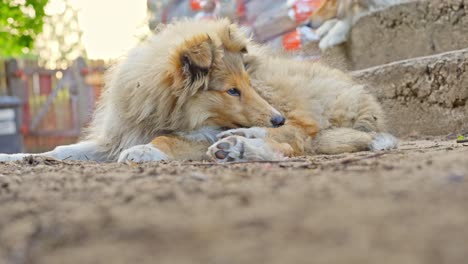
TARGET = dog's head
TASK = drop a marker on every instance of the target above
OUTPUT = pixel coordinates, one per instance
(215, 86)
(189, 75)
(327, 10)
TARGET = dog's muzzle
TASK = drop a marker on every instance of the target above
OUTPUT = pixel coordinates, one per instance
(278, 120)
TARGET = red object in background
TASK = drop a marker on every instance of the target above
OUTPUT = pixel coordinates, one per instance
(45, 84)
(164, 16)
(85, 71)
(18, 74)
(303, 9)
(197, 5)
(241, 8)
(292, 40)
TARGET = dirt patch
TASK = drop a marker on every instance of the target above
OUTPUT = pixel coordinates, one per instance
(404, 206)
(403, 32)
(423, 96)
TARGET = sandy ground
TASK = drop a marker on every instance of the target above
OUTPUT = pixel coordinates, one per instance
(405, 206)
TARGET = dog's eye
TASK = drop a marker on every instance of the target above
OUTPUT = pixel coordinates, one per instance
(234, 92)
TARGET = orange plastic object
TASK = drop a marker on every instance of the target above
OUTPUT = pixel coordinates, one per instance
(303, 9)
(292, 40)
(196, 4)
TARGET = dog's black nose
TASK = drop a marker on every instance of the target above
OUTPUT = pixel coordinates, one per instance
(277, 121)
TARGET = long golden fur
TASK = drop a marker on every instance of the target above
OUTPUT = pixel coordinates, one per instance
(201, 83)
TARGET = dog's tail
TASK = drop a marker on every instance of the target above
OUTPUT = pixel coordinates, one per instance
(340, 140)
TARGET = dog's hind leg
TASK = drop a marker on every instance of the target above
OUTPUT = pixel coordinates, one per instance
(85, 150)
(341, 140)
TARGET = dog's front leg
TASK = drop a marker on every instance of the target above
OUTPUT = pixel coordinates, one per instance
(241, 149)
(258, 143)
(85, 150)
(168, 147)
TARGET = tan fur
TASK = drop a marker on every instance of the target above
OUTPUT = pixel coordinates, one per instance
(183, 149)
(316, 99)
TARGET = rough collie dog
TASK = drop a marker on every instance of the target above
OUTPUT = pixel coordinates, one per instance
(334, 18)
(201, 83)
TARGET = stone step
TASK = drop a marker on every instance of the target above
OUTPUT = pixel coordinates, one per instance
(423, 96)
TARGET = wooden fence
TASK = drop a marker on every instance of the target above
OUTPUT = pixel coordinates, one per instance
(57, 104)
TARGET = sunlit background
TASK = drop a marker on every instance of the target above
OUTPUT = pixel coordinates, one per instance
(109, 27)
(54, 54)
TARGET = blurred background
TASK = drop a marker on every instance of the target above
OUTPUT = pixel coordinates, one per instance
(53, 54)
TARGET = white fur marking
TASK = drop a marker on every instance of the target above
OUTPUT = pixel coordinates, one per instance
(384, 141)
(275, 112)
(253, 132)
(13, 157)
(85, 150)
(142, 153)
(205, 133)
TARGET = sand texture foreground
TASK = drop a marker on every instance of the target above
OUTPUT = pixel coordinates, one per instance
(404, 206)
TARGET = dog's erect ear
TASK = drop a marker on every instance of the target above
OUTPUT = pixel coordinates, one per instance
(197, 56)
(234, 39)
(190, 66)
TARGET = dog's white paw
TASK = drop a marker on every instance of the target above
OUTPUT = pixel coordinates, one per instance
(142, 153)
(253, 132)
(238, 149)
(384, 141)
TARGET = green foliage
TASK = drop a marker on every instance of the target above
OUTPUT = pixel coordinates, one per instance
(20, 23)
